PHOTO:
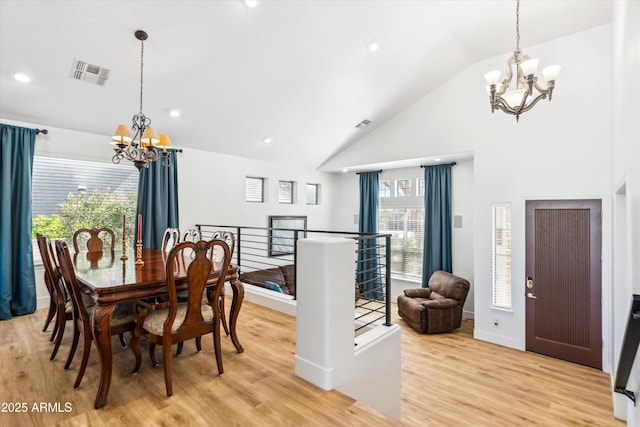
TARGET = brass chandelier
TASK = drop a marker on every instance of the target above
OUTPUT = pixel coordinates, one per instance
(527, 91)
(145, 147)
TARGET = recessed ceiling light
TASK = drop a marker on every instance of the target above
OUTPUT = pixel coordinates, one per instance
(22, 77)
(437, 159)
(267, 140)
(250, 3)
(174, 113)
(345, 170)
(374, 45)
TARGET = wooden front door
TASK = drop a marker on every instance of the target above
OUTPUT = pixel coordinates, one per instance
(563, 284)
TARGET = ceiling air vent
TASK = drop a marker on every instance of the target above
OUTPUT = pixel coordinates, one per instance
(89, 72)
(363, 124)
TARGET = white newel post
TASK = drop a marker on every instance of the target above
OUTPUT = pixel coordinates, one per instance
(325, 296)
(326, 354)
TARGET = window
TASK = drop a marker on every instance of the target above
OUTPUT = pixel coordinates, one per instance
(313, 191)
(502, 255)
(403, 188)
(285, 192)
(406, 226)
(254, 190)
(420, 186)
(384, 189)
(71, 194)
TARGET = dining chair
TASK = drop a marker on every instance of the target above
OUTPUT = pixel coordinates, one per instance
(60, 306)
(173, 321)
(191, 235)
(230, 239)
(122, 320)
(170, 238)
(94, 242)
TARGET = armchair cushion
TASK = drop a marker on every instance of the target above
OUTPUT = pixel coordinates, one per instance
(418, 292)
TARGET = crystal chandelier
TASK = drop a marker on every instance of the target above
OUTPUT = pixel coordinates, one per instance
(145, 147)
(527, 92)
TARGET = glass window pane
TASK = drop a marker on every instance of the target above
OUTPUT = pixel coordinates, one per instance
(403, 188)
(420, 186)
(312, 194)
(72, 194)
(384, 189)
(285, 192)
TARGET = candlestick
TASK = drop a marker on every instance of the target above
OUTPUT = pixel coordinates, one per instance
(124, 256)
(139, 262)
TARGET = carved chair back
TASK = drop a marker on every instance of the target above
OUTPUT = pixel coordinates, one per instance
(94, 242)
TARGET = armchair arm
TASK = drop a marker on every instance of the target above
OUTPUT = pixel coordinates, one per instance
(441, 303)
(418, 292)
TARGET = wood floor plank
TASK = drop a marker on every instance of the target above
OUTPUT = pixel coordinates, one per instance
(447, 380)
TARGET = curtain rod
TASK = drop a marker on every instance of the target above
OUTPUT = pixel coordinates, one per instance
(358, 173)
(452, 164)
(45, 131)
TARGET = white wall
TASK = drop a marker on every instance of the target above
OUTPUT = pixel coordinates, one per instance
(558, 150)
(211, 191)
(626, 188)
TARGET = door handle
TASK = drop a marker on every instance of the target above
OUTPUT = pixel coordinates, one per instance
(531, 295)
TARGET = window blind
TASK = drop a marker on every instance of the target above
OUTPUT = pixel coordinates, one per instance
(254, 189)
(502, 255)
(406, 226)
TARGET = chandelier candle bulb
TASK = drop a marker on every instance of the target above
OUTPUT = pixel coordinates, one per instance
(530, 67)
(551, 73)
(492, 77)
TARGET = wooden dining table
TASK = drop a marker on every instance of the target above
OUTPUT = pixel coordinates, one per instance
(108, 280)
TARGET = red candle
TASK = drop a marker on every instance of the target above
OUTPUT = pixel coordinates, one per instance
(139, 226)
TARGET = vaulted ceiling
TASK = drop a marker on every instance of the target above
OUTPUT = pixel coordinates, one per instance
(298, 72)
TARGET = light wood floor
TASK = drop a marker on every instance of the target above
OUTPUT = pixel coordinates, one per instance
(447, 380)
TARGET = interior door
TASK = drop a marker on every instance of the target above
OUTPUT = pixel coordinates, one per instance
(564, 281)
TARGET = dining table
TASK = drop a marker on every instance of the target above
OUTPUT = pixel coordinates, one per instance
(108, 279)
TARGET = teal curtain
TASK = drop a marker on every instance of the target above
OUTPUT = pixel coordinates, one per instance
(17, 277)
(437, 221)
(158, 200)
(368, 274)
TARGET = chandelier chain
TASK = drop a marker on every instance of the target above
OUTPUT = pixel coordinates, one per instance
(518, 26)
(141, 70)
